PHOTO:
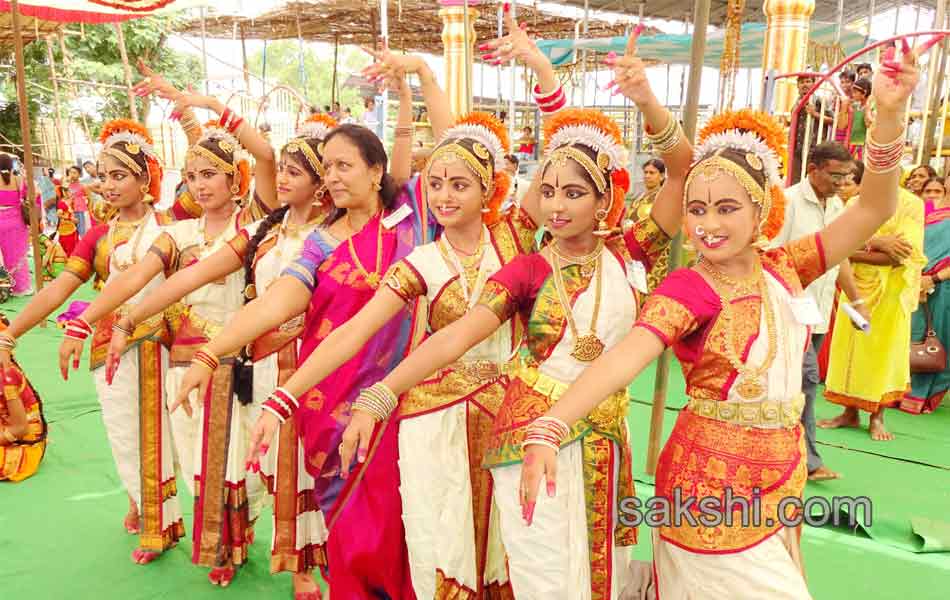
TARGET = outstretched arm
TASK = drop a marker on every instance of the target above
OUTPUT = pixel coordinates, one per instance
(631, 80)
(43, 303)
(345, 341)
(121, 288)
(400, 167)
(877, 198)
(444, 347)
(218, 265)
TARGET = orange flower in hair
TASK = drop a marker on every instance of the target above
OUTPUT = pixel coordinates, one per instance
(124, 125)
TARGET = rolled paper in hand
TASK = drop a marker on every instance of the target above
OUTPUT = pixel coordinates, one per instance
(856, 318)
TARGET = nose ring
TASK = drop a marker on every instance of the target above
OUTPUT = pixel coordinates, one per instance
(700, 232)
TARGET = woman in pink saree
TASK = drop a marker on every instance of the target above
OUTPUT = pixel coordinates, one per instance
(375, 224)
(16, 234)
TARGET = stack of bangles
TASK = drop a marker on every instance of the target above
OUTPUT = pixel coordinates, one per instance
(78, 329)
(403, 131)
(281, 404)
(230, 121)
(667, 139)
(377, 400)
(550, 102)
(120, 326)
(189, 122)
(7, 342)
(546, 431)
(206, 359)
(881, 158)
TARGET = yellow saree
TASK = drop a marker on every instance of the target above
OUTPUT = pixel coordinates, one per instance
(871, 370)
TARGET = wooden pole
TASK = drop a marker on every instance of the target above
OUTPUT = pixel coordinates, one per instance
(60, 131)
(661, 383)
(27, 146)
(247, 75)
(204, 52)
(133, 109)
(336, 49)
(937, 66)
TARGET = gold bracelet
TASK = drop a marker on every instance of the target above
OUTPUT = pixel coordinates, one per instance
(667, 139)
(8, 435)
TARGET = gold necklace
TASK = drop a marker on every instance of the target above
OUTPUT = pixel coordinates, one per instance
(751, 385)
(203, 235)
(372, 279)
(139, 228)
(587, 347)
(471, 286)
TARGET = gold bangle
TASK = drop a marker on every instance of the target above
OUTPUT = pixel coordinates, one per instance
(8, 435)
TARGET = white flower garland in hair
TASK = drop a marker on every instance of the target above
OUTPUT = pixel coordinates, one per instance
(129, 137)
(313, 129)
(481, 134)
(594, 138)
(745, 141)
(219, 133)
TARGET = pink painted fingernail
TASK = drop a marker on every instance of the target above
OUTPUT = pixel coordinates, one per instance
(506, 7)
(638, 29)
(611, 54)
(889, 54)
(530, 513)
(609, 85)
(487, 56)
(265, 448)
(905, 47)
(484, 46)
(361, 455)
(552, 489)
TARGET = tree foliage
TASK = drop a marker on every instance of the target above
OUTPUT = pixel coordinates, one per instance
(283, 66)
(95, 56)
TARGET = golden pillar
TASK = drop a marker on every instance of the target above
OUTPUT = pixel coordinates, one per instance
(786, 45)
(458, 57)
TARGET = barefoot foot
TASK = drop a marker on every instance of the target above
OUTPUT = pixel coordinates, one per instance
(305, 588)
(823, 473)
(849, 418)
(221, 576)
(143, 557)
(131, 523)
(878, 432)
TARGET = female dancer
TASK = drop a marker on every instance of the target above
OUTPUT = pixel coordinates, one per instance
(928, 389)
(22, 426)
(444, 422)
(15, 240)
(378, 224)
(261, 252)
(577, 296)
(133, 408)
(218, 174)
(733, 322)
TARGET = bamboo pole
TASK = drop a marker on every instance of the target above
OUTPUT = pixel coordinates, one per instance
(247, 75)
(133, 109)
(204, 52)
(934, 83)
(60, 131)
(661, 383)
(24, 110)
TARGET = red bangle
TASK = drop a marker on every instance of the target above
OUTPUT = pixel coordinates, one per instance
(225, 117)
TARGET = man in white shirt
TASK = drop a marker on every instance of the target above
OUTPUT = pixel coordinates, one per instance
(810, 205)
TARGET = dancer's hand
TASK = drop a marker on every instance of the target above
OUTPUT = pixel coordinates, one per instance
(389, 67)
(895, 247)
(154, 84)
(516, 45)
(862, 310)
(70, 350)
(895, 81)
(539, 462)
(356, 439)
(117, 344)
(630, 73)
(197, 377)
(6, 361)
(264, 430)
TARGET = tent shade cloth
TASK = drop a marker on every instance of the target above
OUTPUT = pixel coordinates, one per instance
(675, 48)
(97, 11)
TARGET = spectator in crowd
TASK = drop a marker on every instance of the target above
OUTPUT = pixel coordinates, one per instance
(860, 117)
(864, 70)
(843, 128)
(918, 177)
(811, 109)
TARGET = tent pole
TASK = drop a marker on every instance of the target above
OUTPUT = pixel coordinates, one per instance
(133, 109)
(247, 75)
(60, 131)
(204, 51)
(384, 32)
(661, 382)
(514, 81)
(24, 110)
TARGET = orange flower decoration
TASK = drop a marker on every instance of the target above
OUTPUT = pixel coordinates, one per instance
(489, 122)
(766, 128)
(583, 116)
(155, 171)
(322, 118)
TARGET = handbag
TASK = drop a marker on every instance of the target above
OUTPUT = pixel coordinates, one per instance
(928, 355)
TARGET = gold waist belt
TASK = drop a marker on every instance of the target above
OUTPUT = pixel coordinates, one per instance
(477, 370)
(606, 416)
(765, 413)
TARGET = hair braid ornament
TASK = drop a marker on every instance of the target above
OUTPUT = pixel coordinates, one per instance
(486, 159)
(760, 140)
(595, 130)
(124, 139)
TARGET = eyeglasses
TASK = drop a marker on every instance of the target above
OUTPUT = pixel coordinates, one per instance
(839, 177)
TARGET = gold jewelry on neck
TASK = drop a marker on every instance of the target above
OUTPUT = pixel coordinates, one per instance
(586, 347)
(372, 279)
(138, 226)
(752, 383)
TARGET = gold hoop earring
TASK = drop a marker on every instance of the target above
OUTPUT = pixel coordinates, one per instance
(377, 186)
(319, 194)
(602, 228)
(235, 188)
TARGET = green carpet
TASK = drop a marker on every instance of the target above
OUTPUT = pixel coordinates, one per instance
(61, 533)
